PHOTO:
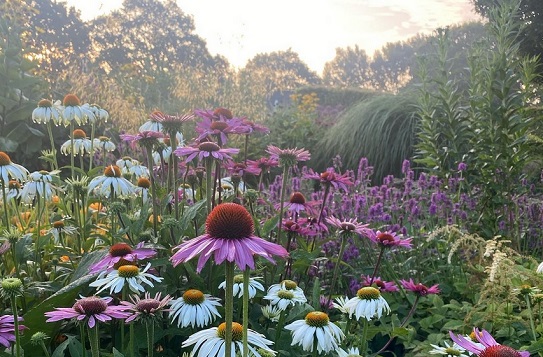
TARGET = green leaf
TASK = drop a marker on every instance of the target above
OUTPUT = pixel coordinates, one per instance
(8, 145)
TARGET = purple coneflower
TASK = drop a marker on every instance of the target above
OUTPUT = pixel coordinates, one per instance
(388, 239)
(330, 177)
(489, 348)
(349, 226)
(205, 149)
(7, 329)
(147, 139)
(123, 251)
(92, 308)
(229, 236)
(146, 308)
(263, 164)
(220, 123)
(385, 286)
(419, 289)
(288, 157)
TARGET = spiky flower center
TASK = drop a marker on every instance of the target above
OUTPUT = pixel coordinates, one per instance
(120, 250)
(219, 125)
(328, 176)
(103, 139)
(223, 112)
(499, 351)
(13, 185)
(237, 331)
(348, 226)
(128, 271)
(79, 134)
(91, 305)
(58, 224)
(385, 238)
(297, 197)
(156, 115)
(4, 159)
(144, 182)
(229, 221)
(45, 103)
(122, 262)
(368, 293)
(112, 171)
(317, 319)
(238, 279)
(11, 284)
(193, 297)
(289, 284)
(148, 305)
(525, 289)
(71, 100)
(208, 146)
(285, 294)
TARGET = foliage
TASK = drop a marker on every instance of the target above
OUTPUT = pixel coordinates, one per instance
(349, 68)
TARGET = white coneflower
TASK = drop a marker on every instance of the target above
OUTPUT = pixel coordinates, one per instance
(10, 170)
(254, 285)
(81, 144)
(316, 327)
(285, 294)
(450, 351)
(351, 352)
(47, 111)
(271, 312)
(73, 111)
(104, 143)
(194, 309)
(111, 182)
(126, 275)
(367, 303)
(39, 186)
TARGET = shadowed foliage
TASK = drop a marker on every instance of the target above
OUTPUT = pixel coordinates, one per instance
(380, 128)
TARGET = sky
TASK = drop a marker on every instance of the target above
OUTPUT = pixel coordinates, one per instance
(241, 29)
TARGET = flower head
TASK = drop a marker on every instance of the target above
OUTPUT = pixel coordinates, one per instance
(47, 111)
(449, 351)
(254, 285)
(488, 346)
(170, 122)
(10, 170)
(146, 308)
(288, 157)
(211, 342)
(194, 308)
(419, 289)
(206, 149)
(146, 139)
(127, 274)
(285, 294)
(349, 226)
(219, 123)
(81, 144)
(73, 111)
(351, 352)
(229, 236)
(90, 309)
(7, 329)
(122, 251)
(316, 326)
(383, 286)
(110, 183)
(388, 239)
(331, 178)
(367, 303)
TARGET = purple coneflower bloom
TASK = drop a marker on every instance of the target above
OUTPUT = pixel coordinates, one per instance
(489, 346)
(144, 138)
(148, 307)
(388, 239)
(219, 122)
(347, 226)
(205, 149)
(330, 177)
(288, 157)
(253, 127)
(7, 329)
(385, 286)
(263, 164)
(229, 236)
(92, 308)
(123, 251)
(419, 289)
(297, 203)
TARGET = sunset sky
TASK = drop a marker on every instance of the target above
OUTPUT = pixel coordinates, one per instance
(240, 29)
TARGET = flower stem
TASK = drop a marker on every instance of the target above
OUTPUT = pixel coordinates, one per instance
(16, 325)
(82, 337)
(131, 328)
(404, 322)
(53, 150)
(336, 267)
(72, 154)
(94, 338)
(46, 352)
(377, 264)
(531, 315)
(282, 204)
(150, 327)
(153, 190)
(209, 182)
(280, 324)
(246, 278)
(229, 306)
(4, 199)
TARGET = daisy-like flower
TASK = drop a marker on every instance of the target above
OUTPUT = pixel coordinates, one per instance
(10, 170)
(110, 183)
(170, 122)
(146, 139)
(204, 150)
(351, 352)
(104, 143)
(285, 294)
(331, 178)
(254, 285)
(146, 308)
(152, 124)
(47, 112)
(138, 170)
(288, 157)
(73, 111)
(383, 286)
(527, 289)
(142, 188)
(40, 185)
(340, 303)
(194, 309)
(229, 236)
(219, 123)
(450, 351)
(297, 204)
(264, 164)
(59, 227)
(367, 303)
(212, 343)
(419, 289)
(99, 113)
(488, 346)
(127, 274)
(388, 239)
(13, 190)
(7, 329)
(82, 144)
(122, 251)
(89, 310)
(271, 312)
(316, 326)
(350, 226)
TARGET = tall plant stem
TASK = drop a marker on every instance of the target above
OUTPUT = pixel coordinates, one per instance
(377, 264)
(150, 327)
(53, 149)
(131, 329)
(280, 324)
(94, 339)
(72, 154)
(336, 267)
(82, 337)
(282, 204)
(4, 199)
(153, 190)
(173, 162)
(404, 322)
(209, 182)
(16, 325)
(91, 154)
(229, 306)
(246, 278)
(531, 315)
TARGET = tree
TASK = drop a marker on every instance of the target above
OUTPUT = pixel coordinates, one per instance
(349, 68)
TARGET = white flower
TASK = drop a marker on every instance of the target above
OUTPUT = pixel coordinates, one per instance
(103, 143)
(78, 113)
(163, 155)
(367, 303)
(271, 312)
(111, 181)
(59, 227)
(285, 294)
(211, 342)
(9, 169)
(254, 285)
(194, 308)
(351, 352)
(81, 144)
(150, 125)
(340, 304)
(46, 112)
(450, 351)
(316, 327)
(539, 269)
(125, 274)
(99, 113)
(40, 185)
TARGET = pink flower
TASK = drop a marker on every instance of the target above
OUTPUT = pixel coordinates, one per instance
(220, 123)
(205, 149)
(263, 164)
(347, 226)
(388, 239)
(489, 345)
(330, 177)
(297, 203)
(144, 138)
(7, 329)
(288, 157)
(147, 307)
(387, 286)
(419, 289)
(92, 308)
(229, 236)
(122, 251)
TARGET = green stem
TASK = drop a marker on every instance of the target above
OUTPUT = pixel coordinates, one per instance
(246, 277)
(46, 352)
(377, 264)
(53, 149)
(91, 158)
(209, 182)
(94, 339)
(16, 325)
(150, 327)
(82, 337)
(282, 204)
(229, 306)
(173, 163)
(131, 328)
(124, 297)
(72, 154)
(530, 314)
(365, 326)
(153, 190)
(4, 200)
(336, 267)
(280, 324)
(315, 349)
